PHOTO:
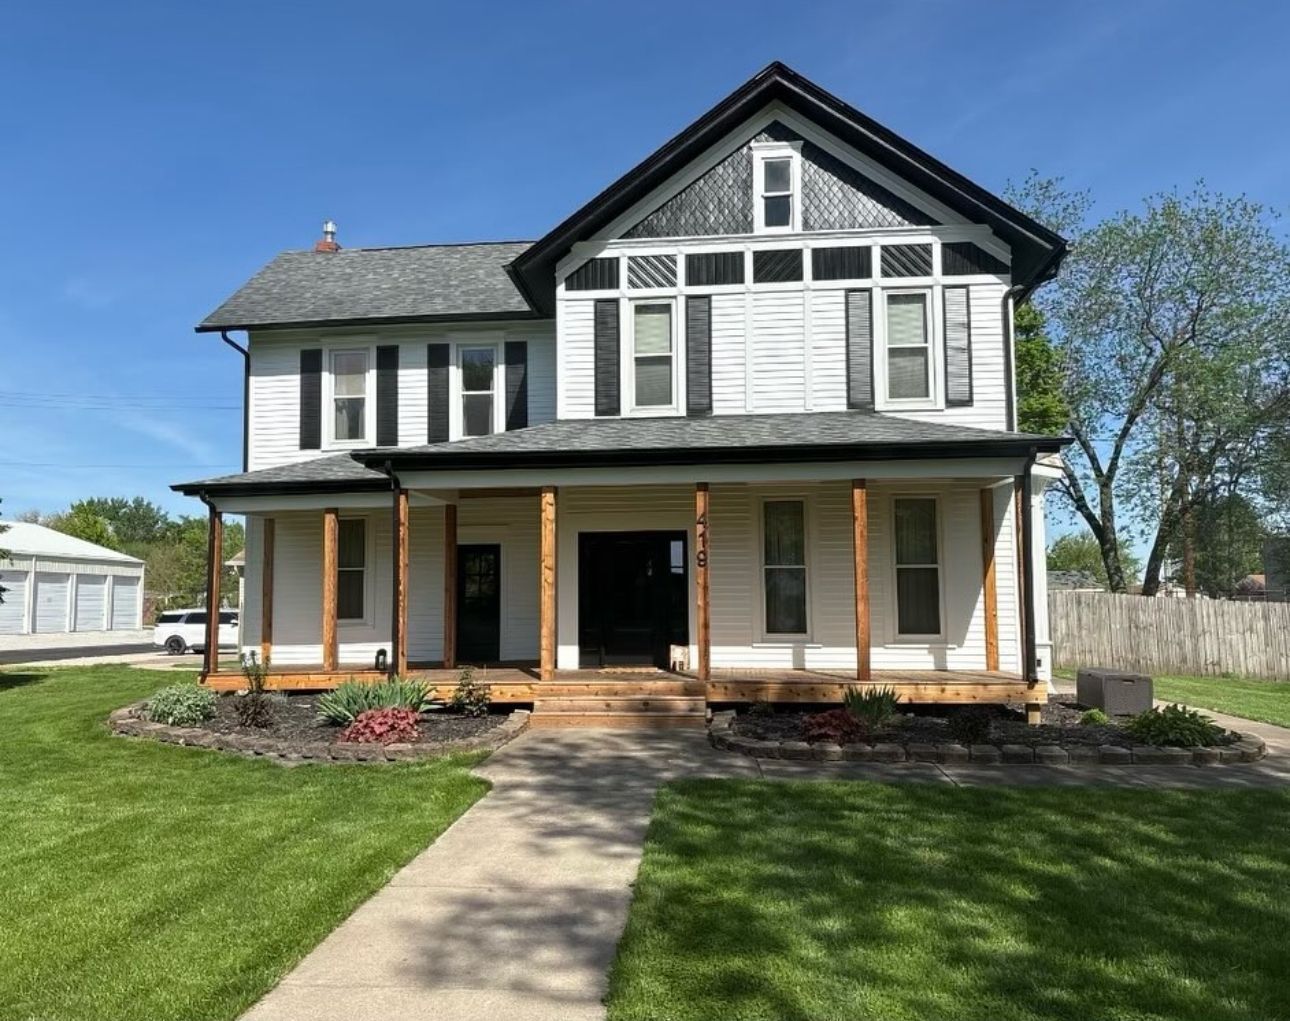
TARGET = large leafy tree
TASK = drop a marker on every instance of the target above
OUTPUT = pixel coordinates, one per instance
(1041, 404)
(133, 521)
(1168, 325)
(83, 523)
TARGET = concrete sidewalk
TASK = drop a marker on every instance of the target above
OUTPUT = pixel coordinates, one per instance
(515, 912)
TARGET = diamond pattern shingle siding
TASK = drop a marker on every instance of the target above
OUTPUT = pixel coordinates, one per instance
(835, 197)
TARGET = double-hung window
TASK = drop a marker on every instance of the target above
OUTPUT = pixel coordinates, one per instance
(784, 567)
(653, 355)
(351, 568)
(478, 383)
(349, 396)
(918, 571)
(775, 183)
(909, 346)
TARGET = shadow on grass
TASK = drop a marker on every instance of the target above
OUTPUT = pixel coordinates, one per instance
(824, 900)
(19, 678)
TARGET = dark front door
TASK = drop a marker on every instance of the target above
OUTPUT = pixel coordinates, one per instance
(479, 603)
(632, 597)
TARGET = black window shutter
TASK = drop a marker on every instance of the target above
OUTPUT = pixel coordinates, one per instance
(698, 356)
(859, 314)
(437, 392)
(311, 399)
(607, 358)
(517, 384)
(387, 395)
(958, 348)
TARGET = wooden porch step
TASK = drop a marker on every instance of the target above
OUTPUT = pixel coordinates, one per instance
(621, 712)
(602, 687)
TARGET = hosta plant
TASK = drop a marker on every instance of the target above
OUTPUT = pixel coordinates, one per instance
(1174, 725)
(1094, 718)
(181, 705)
(386, 726)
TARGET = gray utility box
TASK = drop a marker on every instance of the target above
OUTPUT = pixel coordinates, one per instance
(1113, 691)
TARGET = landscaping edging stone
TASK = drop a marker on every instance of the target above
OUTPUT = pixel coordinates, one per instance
(129, 721)
(721, 733)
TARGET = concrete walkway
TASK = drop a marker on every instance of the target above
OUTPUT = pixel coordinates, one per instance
(515, 912)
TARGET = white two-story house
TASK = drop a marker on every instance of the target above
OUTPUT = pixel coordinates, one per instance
(746, 420)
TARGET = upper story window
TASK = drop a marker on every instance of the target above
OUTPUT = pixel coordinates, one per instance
(777, 185)
(349, 396)
(653, 355)
(909, 346)
(478, 390)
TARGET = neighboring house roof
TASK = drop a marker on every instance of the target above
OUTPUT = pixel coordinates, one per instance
(1074, 581)
(238, 559)
(392, 285)
(24, 539)
(1036, 250)
(725, 439)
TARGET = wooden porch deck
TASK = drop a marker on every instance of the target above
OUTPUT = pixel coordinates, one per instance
(521, 684)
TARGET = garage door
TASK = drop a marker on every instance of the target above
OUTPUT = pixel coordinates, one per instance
(51, 602)
(91, 602)
(125, 604)
(15, 601)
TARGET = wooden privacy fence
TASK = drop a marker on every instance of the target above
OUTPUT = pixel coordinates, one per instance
(1170, 636)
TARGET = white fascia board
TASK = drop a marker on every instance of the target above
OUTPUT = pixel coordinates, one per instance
(321, 501)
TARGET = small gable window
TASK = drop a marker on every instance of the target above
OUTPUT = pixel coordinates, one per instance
(777, 178)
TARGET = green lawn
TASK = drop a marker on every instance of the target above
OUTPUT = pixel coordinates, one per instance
(1268, 701)
(152, 882)
(856, 900)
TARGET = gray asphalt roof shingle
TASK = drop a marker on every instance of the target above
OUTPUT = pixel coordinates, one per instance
(719, 432)
(425, 282)
(794, 434)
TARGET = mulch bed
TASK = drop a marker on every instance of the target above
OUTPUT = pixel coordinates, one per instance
(1059, 725)
(295, 720)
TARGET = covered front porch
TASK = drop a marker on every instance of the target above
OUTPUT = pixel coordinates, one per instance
(717, 643)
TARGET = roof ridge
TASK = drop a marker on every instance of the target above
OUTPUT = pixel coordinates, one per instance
(404, 248)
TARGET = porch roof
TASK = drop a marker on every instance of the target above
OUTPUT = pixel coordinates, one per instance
(633, 442)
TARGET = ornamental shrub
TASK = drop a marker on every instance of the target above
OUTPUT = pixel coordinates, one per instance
(872, 707)
(470, 698)
(836, 725)
(343, 705)
(1094, 718)
(181, 705)
(971, 724)
(386, 726)
(253, 708)
(1174, 725)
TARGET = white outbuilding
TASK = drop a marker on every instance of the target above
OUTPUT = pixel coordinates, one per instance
(56, 584)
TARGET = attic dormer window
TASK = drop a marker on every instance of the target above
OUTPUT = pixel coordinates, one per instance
(777, 183)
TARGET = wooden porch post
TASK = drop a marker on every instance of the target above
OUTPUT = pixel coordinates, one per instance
(214, 570)
(399, 622)
(1027, 601)
(330, 579)
(546, 630)
(702, 582)
(266, 592)
(450, 586)
(988, 585)
(860, 528)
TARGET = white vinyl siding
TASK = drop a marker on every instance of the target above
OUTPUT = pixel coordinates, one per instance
(91, 603)
(125, 603)
(577, 353)
(274, 418)
(778, 345)
(729, 354)
(52, 591)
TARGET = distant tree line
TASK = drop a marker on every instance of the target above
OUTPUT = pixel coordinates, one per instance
(174, 549)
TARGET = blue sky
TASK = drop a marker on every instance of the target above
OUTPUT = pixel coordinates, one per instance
(155, 155)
